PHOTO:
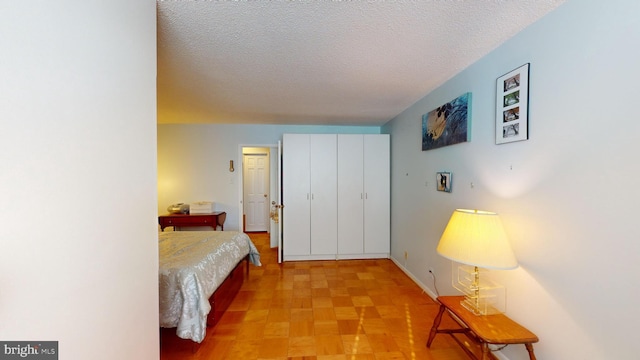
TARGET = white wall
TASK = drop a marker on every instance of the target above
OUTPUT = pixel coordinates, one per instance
(193, 161)
(78, 241)
(567, 196)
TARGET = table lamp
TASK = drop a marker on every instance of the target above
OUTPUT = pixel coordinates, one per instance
(476, 238)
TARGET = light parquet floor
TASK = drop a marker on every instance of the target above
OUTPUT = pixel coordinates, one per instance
(321, 310)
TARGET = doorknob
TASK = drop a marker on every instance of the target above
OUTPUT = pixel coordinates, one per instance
(265, 195)
(273, 214)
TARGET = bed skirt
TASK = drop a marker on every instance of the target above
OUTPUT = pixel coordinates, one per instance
(224, 295)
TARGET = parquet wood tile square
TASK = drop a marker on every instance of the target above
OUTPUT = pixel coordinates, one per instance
(302, 346)
(251, 331)
(319, 283)
(356, 344)
(348, 327)
(336, 283)
(390, 312)
(245, 350)
(301, 315)
(326, 327)
(362, 300)
(342, 300)
(375, 326)
(256, 315)
(383, 343)
(320, 310)
(259, 304)
(320, 292)
(301, 328)
(367, 312)
(355, 288)
(329, 345)
(271, 348)
(301, 302)
(224, 331)
(276, 329)
(323, 314)
(322, 302)
(344, 313)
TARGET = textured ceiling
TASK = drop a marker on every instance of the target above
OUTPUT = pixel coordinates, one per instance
(320, 62)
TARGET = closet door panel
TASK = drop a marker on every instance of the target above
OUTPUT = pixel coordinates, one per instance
(350, 194)
(323, 152)
(377, 202)
(296, 193)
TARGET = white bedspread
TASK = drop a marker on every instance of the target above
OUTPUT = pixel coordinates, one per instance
(192, 266)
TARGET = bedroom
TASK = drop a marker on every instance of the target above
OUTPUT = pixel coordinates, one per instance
(566, 194)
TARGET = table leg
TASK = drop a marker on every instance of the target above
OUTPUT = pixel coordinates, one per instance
(529, 347)
(485, 351)
(221, 218)
(436, 324)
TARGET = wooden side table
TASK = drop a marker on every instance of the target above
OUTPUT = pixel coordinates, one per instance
(483, 329)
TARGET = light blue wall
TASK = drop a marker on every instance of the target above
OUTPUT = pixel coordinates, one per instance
(568, 196)
(193, 160)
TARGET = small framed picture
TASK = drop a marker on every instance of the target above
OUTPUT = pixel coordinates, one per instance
(443, 181)
(512, 106)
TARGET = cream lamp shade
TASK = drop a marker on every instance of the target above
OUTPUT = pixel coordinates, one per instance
(476, 238)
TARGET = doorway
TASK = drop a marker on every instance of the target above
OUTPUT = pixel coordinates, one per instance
(274, 194)
(256, 188)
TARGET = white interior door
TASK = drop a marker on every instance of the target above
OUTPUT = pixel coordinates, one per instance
(279, 201)
(256, 192)
(274, 190)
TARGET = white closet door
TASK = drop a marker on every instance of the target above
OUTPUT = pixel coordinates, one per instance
(377, 202)
(323, 153)
(296, 194)
(350, 194)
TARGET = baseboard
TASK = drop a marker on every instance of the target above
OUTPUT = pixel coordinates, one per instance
(500, 356)
(415, 280)
(431, 294)
(362, 256)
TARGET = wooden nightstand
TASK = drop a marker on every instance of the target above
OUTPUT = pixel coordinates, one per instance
(178, 220)
(483, 330)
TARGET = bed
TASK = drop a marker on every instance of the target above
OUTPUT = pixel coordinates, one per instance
(199, 269)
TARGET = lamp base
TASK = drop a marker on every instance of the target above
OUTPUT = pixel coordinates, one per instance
(481, 295)
(481, 307)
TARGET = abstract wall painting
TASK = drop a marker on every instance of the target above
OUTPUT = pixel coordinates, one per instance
(448, 124)
(512, 106)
